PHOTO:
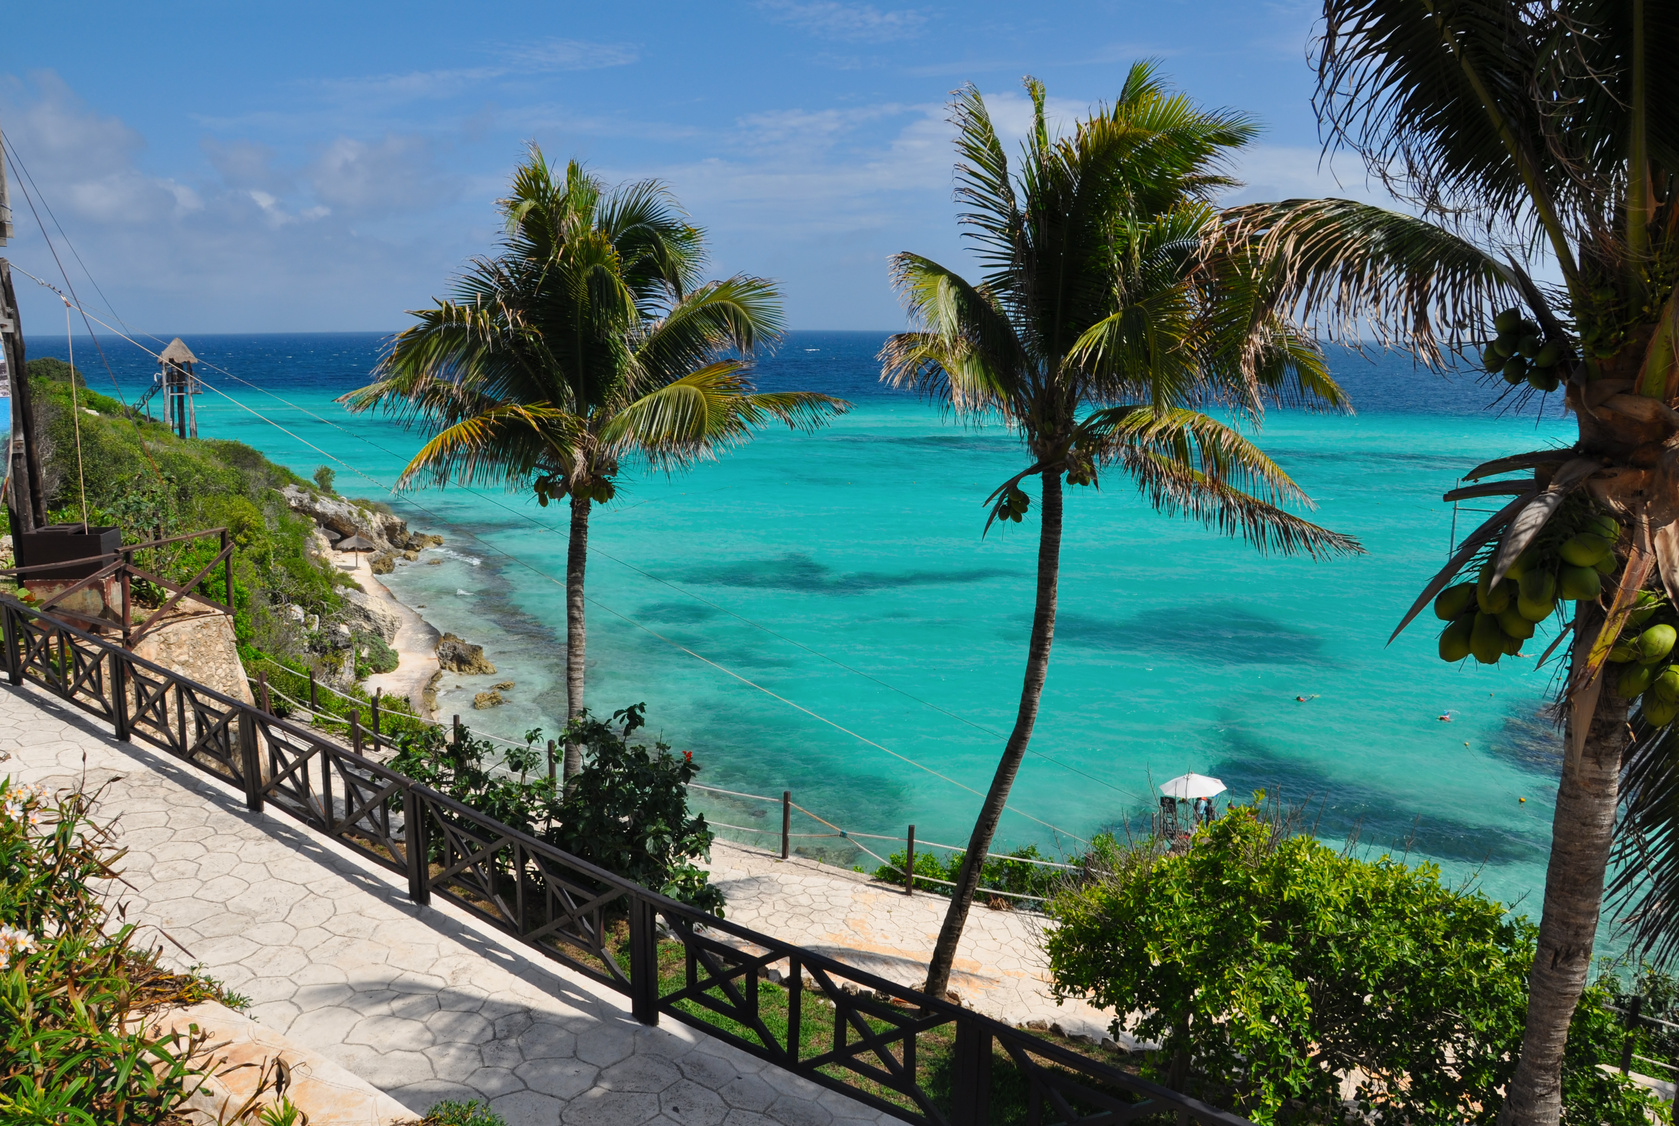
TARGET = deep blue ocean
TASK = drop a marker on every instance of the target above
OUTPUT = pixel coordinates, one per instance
(820, 612)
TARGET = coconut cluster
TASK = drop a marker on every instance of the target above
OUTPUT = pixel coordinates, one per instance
(1566, 563)
(1521, 354)
(1644, 651)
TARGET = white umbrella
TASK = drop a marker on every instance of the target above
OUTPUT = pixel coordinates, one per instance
(1188, 786)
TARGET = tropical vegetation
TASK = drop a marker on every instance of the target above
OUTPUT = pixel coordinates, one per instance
(77, 990)
(626, 809)
(587, 340)
(1533, 147)
(1102, 330)
(1272, 969)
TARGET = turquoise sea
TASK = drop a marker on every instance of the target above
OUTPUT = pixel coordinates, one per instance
(821, 614)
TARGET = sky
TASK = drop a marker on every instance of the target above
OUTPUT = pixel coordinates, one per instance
(325, 167)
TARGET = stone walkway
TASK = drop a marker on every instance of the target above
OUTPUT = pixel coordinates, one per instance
(1000, 967)
(425, 1004)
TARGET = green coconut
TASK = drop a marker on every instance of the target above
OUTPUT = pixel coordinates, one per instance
(1543, 379)
(1634, 679)
(1577, 583)
(1453, 601)
(1512, 646)
(1530, 345)
(1486, 640)
(1523, 563)
(1656, 643)
(1623, 653)
(1666, 685)
(1584, 549)
(1539, 585)
(1511, 621)
(1454, 639)
(1606, 565)
(1515, 369)
(1507, 320)
(1659, 713)
(1493, 600)
(1605, 525)
(1535, 610)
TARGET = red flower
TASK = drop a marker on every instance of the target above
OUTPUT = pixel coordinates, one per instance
(687, 756)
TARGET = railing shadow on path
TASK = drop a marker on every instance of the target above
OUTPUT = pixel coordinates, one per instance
(796, 1008)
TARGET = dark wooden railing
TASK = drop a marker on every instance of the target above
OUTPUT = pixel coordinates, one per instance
(670, 959)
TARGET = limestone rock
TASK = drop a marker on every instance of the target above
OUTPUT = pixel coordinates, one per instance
(366, 614)
(388, 532)
(201, 649)
(490, 699)
(434, 562)
(382, 563)
(502, 686)
(460, 656)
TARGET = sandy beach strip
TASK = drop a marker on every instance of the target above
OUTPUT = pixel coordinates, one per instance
(415, 642)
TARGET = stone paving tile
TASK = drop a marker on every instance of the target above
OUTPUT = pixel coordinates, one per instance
(425, 1004)
(1000, 968)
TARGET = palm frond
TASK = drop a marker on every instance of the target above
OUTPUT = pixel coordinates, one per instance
(503, 445)
(1198, 442)
(1644, 885)
(1352, 268)
(706, 411)
(739, 314)
(965, 353)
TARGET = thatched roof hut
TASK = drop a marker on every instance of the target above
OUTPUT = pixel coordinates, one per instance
(177, 353)
(356, 543)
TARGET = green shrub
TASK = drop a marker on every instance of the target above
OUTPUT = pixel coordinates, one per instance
(997, 874)
(376, 656)
(325, 475)
(75, 992)
(453, 1113)
(1267, 965)
(627, 810)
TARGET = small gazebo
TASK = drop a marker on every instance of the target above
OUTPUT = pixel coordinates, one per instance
(179, 386)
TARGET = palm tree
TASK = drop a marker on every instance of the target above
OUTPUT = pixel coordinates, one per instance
(1098, 327)
(1522, 135)
(588, 340)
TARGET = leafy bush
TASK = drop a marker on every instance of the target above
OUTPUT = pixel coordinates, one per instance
(74, 998)
(626, 811)
(450, 1112)
(325, 475)
(376, 656)
(997, 873)
(1267, 966)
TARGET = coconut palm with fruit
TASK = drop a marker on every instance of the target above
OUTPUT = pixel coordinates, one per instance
(1532, 141)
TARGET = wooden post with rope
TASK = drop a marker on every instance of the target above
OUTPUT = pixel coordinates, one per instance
(24, 502)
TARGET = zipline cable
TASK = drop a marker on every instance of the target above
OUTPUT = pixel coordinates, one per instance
(611, 610)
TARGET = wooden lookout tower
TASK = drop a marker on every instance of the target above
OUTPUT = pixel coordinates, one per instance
(179, 386)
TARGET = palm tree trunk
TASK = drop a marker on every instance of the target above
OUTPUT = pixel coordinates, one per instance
(1037, 667)
(577, 560)
(1581, 834)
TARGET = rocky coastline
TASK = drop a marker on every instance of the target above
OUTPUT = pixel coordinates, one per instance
(363, 541)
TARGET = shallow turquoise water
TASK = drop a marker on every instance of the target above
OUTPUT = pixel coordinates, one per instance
(845, 573)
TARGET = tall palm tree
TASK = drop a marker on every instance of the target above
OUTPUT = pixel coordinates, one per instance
(588, 340)
(1523, 135)
(1097, 329)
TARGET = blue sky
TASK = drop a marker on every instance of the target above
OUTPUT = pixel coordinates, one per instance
(316, 167)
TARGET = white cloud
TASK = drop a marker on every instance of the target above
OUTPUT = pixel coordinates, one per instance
(396, 173)
(838, 20)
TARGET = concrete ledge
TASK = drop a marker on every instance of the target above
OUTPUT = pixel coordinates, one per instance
(243, 1053)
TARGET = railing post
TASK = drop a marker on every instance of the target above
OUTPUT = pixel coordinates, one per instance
(909, 864)
(249, 761)
(644, 962)
(355, 730)
(377, 692)
(1633, 1010)
(327, 816)
(314, 701)
(119, 692)
(970, 1081)
(227, 564)
(414, 836)
(786, 821)
(552, 775)
(14, 655)
(262, 693)
(457, 729)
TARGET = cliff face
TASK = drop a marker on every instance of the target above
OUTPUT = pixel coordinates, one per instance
(387, 531)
